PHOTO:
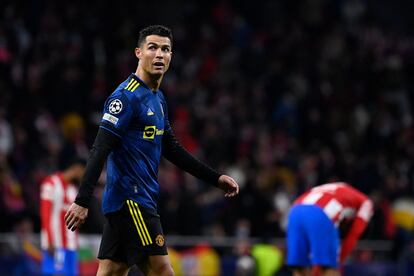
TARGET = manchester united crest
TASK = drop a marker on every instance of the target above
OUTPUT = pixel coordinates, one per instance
(159, 240)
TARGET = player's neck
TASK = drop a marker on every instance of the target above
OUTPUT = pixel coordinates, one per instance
(67, 175)
(152, 81)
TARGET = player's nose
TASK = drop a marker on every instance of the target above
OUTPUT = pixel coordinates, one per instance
(159, 53)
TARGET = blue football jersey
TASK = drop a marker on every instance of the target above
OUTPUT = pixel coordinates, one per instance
(138, 116)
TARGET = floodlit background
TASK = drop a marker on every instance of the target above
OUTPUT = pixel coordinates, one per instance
(281, 95)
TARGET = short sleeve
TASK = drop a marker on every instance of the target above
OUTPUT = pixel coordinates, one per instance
(117, 114)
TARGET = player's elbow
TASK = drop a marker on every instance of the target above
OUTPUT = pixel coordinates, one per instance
(366, 210)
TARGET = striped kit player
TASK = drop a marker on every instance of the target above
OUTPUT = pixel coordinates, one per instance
(59, 244)
(313, 237)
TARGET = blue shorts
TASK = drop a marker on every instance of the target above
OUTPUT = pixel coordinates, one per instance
(312, 238)
(63, 262)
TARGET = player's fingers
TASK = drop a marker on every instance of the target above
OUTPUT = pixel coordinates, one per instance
(75, 225)
(78, 224)
(229, 188)
(234, 188)
(72, 222)
(68, 217)
(230, 193)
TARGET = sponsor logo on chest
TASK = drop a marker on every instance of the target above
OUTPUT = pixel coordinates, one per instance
(151, 131)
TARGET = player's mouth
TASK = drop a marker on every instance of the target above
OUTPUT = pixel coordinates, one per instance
(158, 64)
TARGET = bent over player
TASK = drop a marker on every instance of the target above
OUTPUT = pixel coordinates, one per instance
(312, 234)
(133, 134)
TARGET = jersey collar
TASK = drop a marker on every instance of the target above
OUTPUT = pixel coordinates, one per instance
(141, 82)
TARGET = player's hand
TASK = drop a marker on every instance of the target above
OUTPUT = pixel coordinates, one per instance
(75, 216)
(228, 185)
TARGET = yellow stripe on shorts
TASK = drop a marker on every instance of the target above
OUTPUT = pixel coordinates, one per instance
(143, 223)
(134, 217)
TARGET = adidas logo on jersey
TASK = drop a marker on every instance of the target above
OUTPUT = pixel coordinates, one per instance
(150, 112)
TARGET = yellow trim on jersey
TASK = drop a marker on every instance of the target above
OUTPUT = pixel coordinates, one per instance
(143, 223)
(131, 210)
(135, 87)
(130, 83)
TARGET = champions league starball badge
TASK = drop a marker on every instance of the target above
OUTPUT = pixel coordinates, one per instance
(115, 106)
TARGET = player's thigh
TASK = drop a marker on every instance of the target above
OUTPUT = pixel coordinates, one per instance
(108, 267)
(330, 272)
(159, 265)
(305, 271)
(296, 238)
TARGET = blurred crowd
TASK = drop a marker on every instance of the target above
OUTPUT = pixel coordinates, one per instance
(282, 95)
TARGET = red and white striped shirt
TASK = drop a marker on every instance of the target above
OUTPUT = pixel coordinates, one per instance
(339, 201)
(56, 195)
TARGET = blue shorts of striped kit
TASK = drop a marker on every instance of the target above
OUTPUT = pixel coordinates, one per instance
(62, 262)
(312, 238)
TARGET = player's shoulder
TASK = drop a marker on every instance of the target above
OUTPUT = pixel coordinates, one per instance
(124, 97)
(127, 85)
(48, 180)
(132, 84)
(131, 88)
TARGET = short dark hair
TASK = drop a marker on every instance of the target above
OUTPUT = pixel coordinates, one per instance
(154, 30)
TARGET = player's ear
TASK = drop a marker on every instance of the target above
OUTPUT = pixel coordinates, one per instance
(138, 52)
